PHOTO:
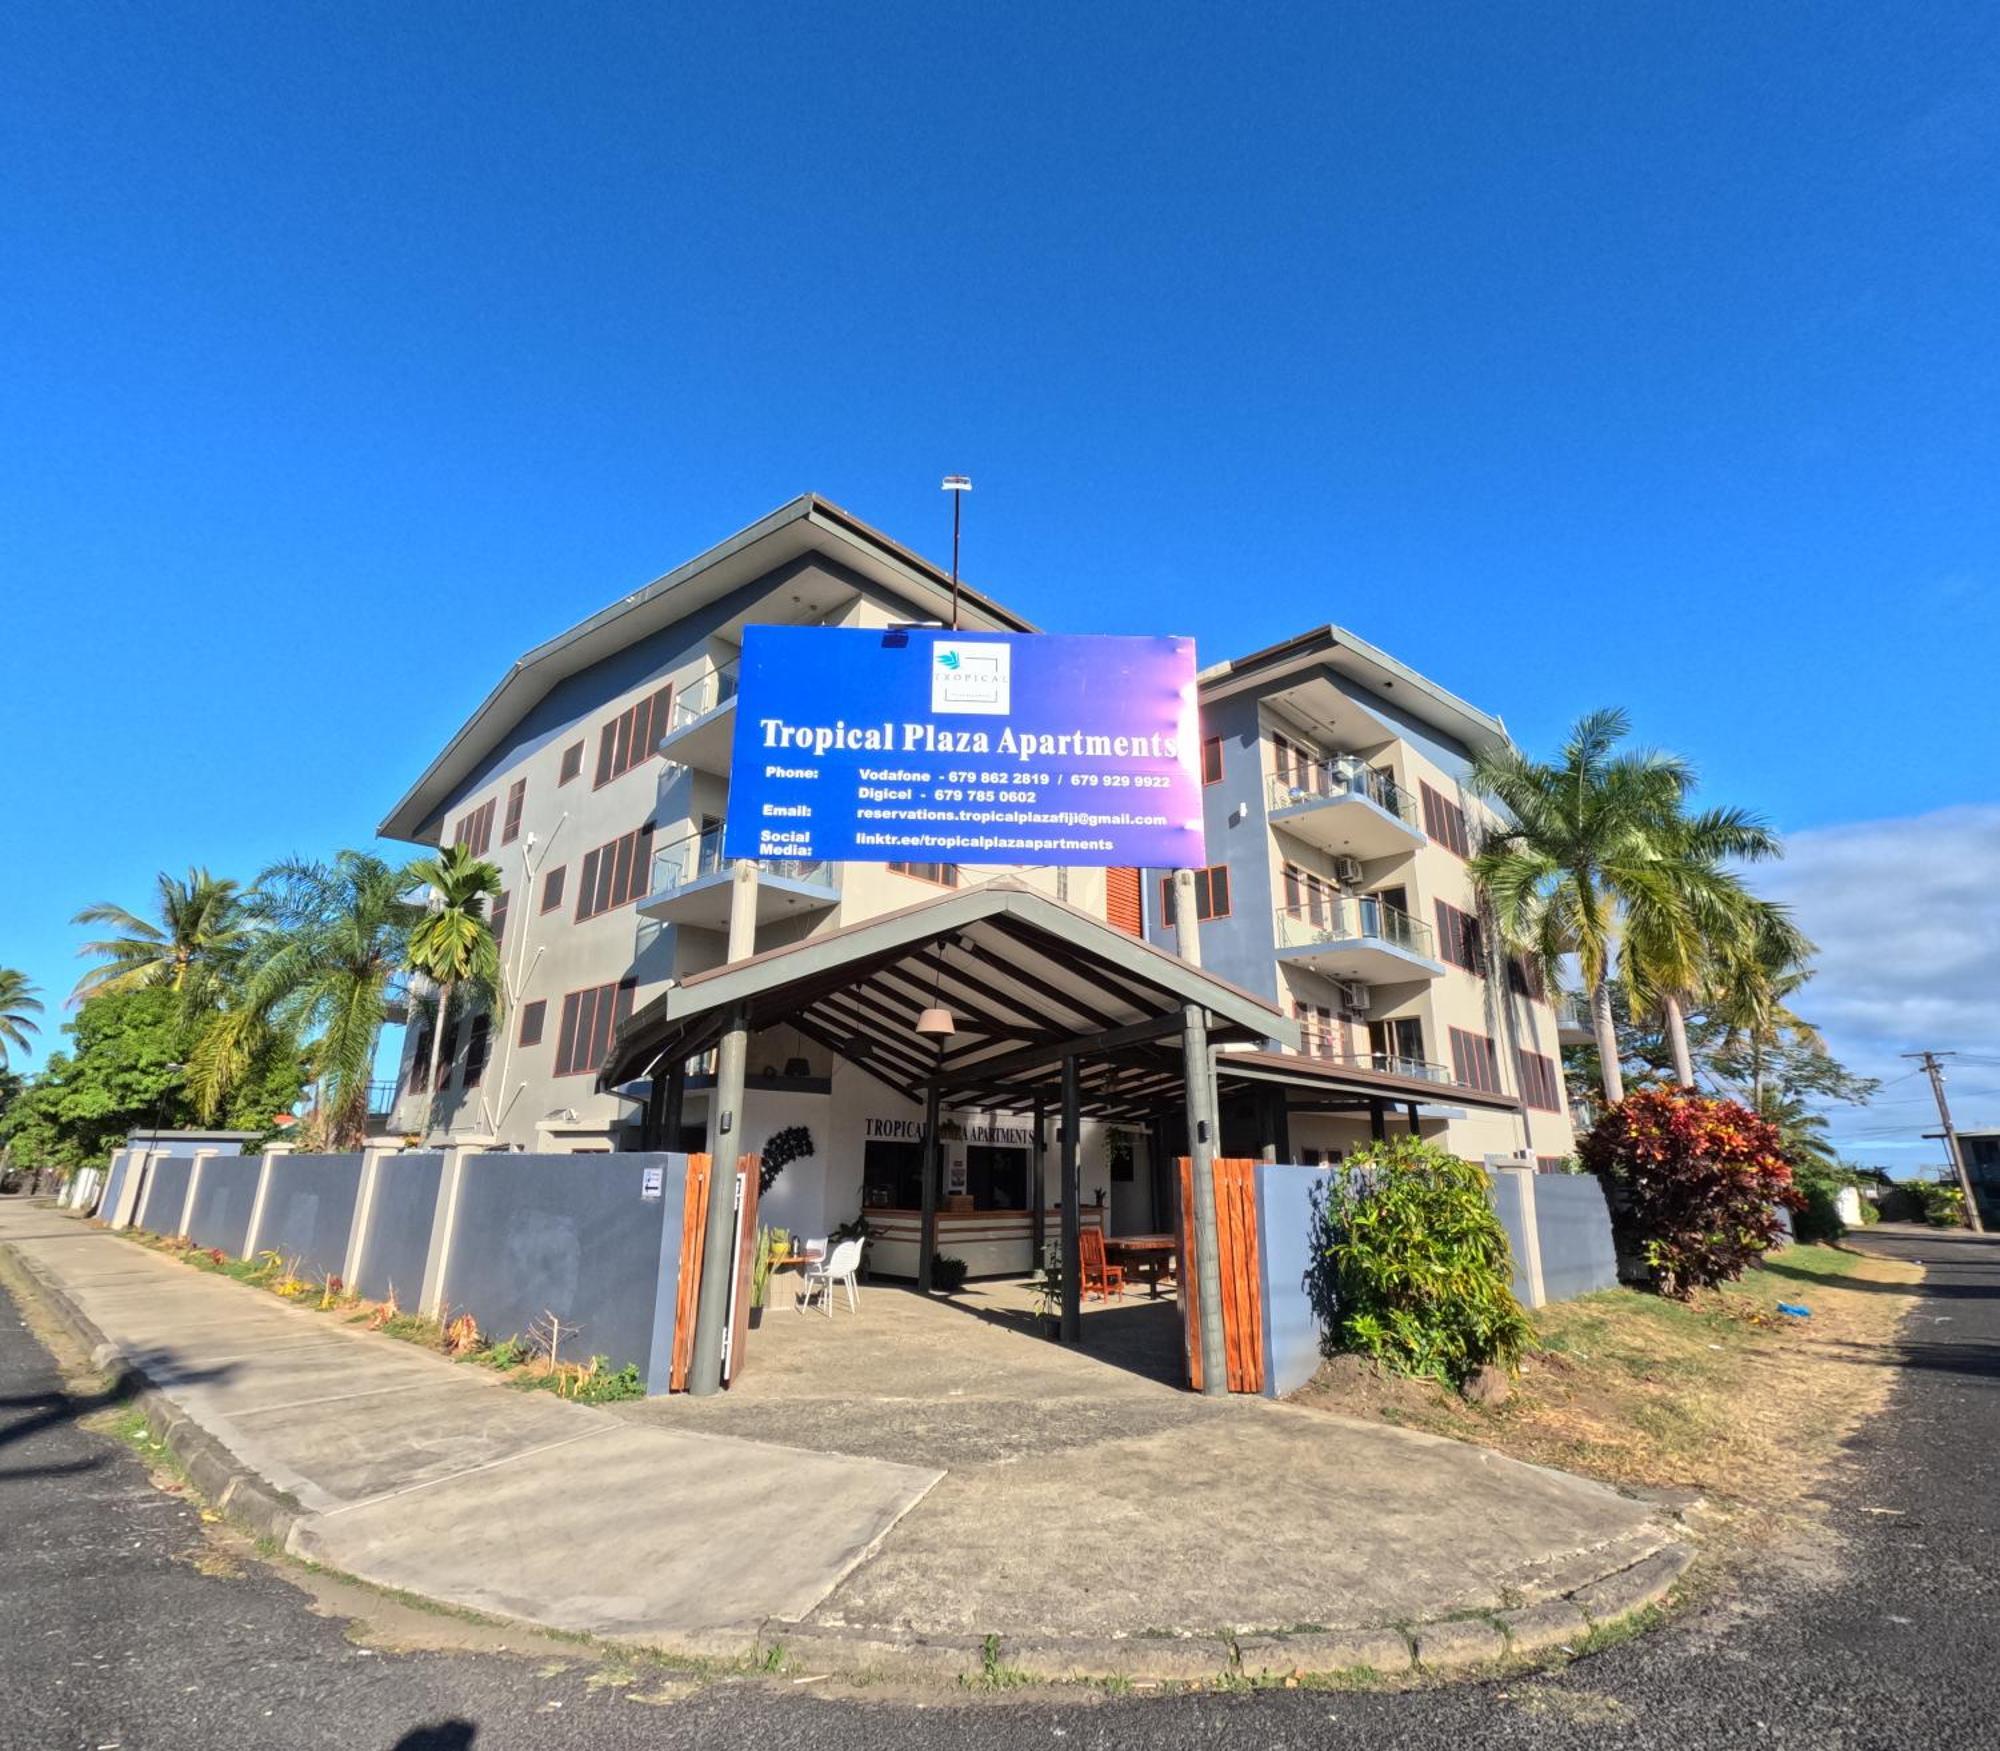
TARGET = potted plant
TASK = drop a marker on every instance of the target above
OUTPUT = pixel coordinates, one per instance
(772, 1245)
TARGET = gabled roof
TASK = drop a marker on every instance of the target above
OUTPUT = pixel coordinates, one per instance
(1376, 672)
(808, 524)
(1022, 973)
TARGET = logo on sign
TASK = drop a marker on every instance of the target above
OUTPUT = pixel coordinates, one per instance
(976, 678)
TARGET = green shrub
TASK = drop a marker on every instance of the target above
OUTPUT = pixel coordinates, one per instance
(1820, 1187)
(1412, 1265)
(947, 1273)
(1943, 1205)
(1694, 1186)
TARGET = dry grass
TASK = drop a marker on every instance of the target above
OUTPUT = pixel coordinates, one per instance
(1723, 1395)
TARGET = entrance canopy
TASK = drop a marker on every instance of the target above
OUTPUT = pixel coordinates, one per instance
(1029, 982)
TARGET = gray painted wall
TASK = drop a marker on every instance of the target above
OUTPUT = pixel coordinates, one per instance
(114, 1183)
(571, 1235)
(1503, 1191)
(308, 1211)
(399, 1228)
(222, 1202)
(1285, 1225)
(165, 1192)
(1575, 1227)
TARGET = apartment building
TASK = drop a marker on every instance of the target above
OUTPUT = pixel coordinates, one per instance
(596, 777)
(1339, 827)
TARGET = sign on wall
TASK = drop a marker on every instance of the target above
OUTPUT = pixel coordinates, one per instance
(920, 745)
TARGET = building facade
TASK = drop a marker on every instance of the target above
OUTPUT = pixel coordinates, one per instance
(596, 778)
(1339, 826)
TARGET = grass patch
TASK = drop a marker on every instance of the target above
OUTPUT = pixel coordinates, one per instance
(1721, 1394)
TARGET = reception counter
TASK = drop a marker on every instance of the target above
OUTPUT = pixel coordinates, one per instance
(993, 1243)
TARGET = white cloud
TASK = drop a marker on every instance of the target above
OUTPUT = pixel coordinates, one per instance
(1907, 917)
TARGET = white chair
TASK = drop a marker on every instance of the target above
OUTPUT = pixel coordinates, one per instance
(837, 1266)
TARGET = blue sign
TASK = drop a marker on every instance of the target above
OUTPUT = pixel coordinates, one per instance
(918, 745)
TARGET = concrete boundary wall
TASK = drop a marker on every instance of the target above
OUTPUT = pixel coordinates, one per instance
(163, 1197)
(392, 1232)
(593, 1240)
(510, 1239)
(1558, 1231)
(307, 1211)
(219, 1206)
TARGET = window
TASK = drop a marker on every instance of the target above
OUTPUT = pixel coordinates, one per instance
(498, 922)
(1308, 895)
(572, 764)
(420, 1059)
(1524, 979)
(517, 794)
(475, 831)
(1397, 1047)
(1211, 893)
(1211, 760)
(615, 874)
(1474, 1062)
(1320, 1034)
(1549, 1163)
(944, 874)
(532, 1016)
(1444, 821)
(1539, 1084)
(631, 737)
(478, 1041)
(552, 887)
(589, 1018)
(447, 1053)
(1459, 938)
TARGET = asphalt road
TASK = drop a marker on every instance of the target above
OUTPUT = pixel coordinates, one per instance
(110, 1636)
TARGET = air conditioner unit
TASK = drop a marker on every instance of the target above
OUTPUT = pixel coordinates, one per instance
(1347, 871)
(1355, 996)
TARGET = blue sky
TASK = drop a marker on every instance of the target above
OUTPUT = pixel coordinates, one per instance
(1575, 354)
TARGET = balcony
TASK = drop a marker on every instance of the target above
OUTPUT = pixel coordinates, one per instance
(1344, 806)
(1573, 1024)
(690, 885)
(704, 721)
(1346, 937)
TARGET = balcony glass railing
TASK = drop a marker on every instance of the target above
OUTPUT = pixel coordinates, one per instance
(687, 860)
(1343, 776)
(698, 698)
(1347, 918)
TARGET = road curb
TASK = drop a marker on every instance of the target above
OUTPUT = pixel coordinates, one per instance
(225, 1483)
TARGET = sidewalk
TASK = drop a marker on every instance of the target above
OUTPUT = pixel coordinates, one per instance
(408, 1471)
(1097, 1523)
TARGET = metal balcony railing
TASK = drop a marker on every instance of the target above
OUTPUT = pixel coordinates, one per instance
(1347, 918)
(382, 1097)
(1343, 776)
(1318, 1045)
(698, 698)
(700, 854)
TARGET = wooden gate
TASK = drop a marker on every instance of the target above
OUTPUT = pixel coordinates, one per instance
(1242, 1291)
(694, 1236)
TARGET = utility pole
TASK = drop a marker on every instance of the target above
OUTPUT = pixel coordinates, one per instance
(1935, 1071)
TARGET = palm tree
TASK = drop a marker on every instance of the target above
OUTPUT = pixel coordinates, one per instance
(323, 962)
(201, 926)
(1583, 835)
(19, 1002)
(453, 943)
(1690, 922)
(1753, 993)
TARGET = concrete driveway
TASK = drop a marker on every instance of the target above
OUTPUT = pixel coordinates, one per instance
(1085, 1496)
